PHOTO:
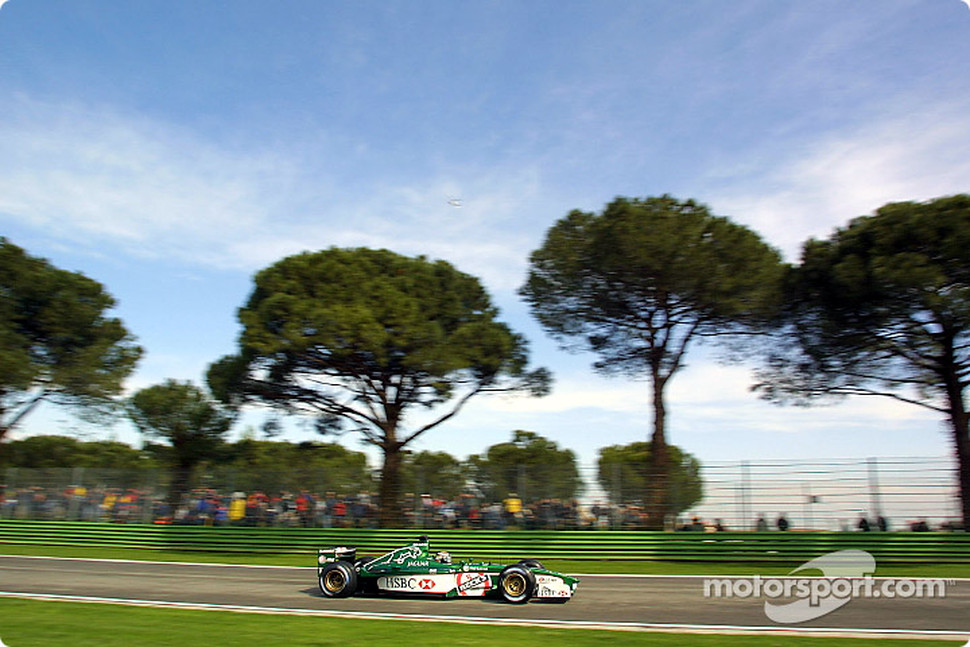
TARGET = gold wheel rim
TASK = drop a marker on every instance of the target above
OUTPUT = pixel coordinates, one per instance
(515, 585)
(333, 581)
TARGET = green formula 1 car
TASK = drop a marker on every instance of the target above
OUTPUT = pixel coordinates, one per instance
(413, 570)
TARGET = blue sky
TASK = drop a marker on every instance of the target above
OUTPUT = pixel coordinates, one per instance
(171, 149)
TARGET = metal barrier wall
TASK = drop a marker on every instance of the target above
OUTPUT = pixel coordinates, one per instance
(790, 547)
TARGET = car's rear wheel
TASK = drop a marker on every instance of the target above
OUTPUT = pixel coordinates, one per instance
(532, 563)
(338, 580)
(517, 583)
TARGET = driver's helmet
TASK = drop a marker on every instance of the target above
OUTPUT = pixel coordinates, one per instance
(443, 557)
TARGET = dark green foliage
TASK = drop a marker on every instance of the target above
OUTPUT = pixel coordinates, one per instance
(882, 306)
(438, 474)
(279, 466)
(247, 465)
(56, 343)
(638, 282)
(182, 415)
(66, 452)
(530, 466)
(622, 471)
(370, 322)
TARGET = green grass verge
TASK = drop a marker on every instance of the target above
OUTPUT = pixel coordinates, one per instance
(565, 566)
(25, 623)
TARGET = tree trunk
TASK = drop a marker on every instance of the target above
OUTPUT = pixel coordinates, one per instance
(960, 425)
(390, 489)
(658, 473)
(960, 433)
(959, 422)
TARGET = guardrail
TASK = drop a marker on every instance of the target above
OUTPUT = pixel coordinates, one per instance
(890, 547)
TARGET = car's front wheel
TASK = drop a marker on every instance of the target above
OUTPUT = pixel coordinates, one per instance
(517, 583)
(338, 580)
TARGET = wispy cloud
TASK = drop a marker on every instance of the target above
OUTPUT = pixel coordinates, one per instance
(100, 177)
(812, 187)
(110, 181)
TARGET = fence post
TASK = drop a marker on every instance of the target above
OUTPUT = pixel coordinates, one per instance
(874, 495)
(745, 485)
(616, 499)
(807, 502)
(73, 504)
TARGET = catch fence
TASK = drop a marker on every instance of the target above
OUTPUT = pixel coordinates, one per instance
(834, 494)
(829, 495)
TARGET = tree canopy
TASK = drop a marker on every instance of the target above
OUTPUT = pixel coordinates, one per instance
(280, 466)
(641, 281)
(882, 308)
(184, 416)
(52, 451)
(622, 471)
(438, 474)
(57, 343)
(365, 338)
(531, 466)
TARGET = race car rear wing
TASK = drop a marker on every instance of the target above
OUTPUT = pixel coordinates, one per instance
(340, 553)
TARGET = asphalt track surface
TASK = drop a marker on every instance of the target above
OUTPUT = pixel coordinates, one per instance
(617, 601)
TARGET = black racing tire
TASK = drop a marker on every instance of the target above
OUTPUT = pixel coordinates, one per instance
(338, 580)
(532, 563)
(517, 583)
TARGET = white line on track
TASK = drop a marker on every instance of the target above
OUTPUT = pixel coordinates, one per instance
(521, 622)
(644, 576)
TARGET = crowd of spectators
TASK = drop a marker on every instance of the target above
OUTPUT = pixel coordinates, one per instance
(75, 503)
(468, 512)
(206, 506)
